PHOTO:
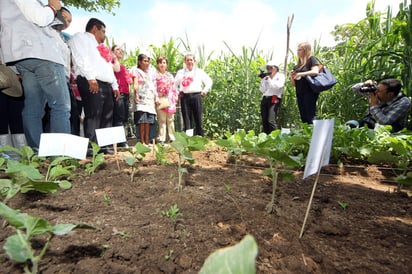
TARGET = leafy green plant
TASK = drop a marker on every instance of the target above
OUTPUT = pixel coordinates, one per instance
(26, 155)
(161, 152)
(138, 152)
(233, 143)
(239, 259)
(107, 200)
(184, 146)
(24, 178)
(18, 246)
(173, 213)
(343, 204)
(280, 151)
(169, 255)
(97, 160)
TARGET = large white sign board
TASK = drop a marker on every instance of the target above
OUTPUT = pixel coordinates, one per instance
(320, 146)
(61, 144)
(110, 135)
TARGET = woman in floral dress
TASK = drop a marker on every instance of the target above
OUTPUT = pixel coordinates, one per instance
(164, 82)
(144, 98)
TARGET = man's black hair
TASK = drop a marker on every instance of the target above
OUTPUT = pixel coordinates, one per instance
(94, 22)
(392, 84)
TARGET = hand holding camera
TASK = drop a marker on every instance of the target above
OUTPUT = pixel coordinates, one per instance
(365, 88)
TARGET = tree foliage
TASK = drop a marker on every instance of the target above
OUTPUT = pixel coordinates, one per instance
(93, 5)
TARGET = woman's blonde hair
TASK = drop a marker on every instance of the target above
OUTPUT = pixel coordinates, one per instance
(307, 50)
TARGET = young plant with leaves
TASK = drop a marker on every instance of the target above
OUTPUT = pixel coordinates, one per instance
(173, 213)
(97, 160)
(281, 152)
(184, 146)
(138, 152)
(24, 178)
(19, 246)
(233, 144)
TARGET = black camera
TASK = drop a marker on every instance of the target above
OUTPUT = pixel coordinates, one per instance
(362, 89)
(263, 74)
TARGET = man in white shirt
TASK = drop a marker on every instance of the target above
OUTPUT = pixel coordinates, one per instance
(95, 77)
(30, 43)
(193, 84)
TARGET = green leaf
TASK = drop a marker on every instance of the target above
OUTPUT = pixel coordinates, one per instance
(43, 187)
(239, 259)
(21, 171)
(17, 248)
(12, 216)
(64, 184)
(62, 229)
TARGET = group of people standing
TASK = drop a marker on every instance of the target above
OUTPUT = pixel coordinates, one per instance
(80, 74)
(156, 92)
(387, 104)
(64, 76)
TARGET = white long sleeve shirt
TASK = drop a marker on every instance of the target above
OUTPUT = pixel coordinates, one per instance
(87, 61)
(201, 82)
(273, 86)
(26, 33)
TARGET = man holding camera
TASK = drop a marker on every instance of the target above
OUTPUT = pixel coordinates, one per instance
(387, 104)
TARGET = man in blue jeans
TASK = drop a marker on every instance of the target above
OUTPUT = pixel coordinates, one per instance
(30, 43)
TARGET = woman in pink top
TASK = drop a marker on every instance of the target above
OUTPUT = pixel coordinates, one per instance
(164, 82)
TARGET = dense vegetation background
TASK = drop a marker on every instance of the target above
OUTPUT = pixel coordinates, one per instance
(377, 47)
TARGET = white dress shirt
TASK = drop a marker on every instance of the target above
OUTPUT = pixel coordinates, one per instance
(273, 86)
(87, 61)
(201, 81)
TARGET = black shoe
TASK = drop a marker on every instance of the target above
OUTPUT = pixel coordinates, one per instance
(107, 150)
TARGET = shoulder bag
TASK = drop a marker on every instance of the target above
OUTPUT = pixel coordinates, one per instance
(323, 81)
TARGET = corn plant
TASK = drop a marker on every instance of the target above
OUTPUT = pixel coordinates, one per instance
(184, 146)
(138, 152)
(19, 247)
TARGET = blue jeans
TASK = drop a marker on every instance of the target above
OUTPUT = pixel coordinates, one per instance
(44, 81)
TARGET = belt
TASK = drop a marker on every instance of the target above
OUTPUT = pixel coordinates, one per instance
(191, 94)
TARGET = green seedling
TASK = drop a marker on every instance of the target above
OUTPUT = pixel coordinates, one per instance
(107, 200)
(343, 204)
(97, 160)
(278, 149)
(233, 143)
(169, 255)
(184, 146)
(24, 178)
(173, 213)
(137, 154)
(228, 187)
(161, 152)
(26, 155)
(18, 246)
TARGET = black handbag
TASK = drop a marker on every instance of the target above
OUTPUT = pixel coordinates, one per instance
(323, 81)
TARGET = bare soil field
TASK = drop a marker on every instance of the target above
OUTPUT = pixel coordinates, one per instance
(373, 234)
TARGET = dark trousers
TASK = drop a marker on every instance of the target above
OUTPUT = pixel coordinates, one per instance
(98, 107)
(307, 105)
(192, 111)
(121, 110)
(10, 114)
(268, 112)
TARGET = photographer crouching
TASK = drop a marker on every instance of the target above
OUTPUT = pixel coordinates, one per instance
(387, 104)
(271, 86)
